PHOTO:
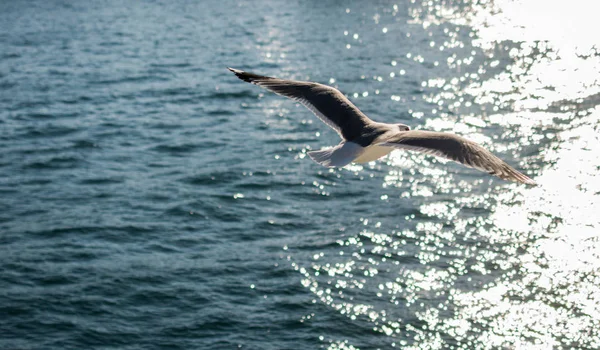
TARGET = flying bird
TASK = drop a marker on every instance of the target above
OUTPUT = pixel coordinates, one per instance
(364, 140)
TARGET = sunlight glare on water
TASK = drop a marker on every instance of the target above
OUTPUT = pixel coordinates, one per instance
(513, 266)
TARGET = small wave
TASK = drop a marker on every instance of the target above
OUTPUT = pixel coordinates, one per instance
(221, 177)
(168, 92)
(28, 104)
(217, 112)
(129, 79)
(38, 181)
(184, 211)
(49, 131)
(230, 95)
(109, 233)
(161, 248)
(5, 85)
(110, 44)
(204, 211)
(170, 65)
(7, 190)
(54, 163)
(77, 100)
(102, 181)
(83, 144)
(276, 225)
(290, 139)
(55, 280)
(176, 149)
(266, 184)
(9, 56)
(46, 116)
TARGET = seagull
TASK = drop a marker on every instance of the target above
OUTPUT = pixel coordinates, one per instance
(364, 140)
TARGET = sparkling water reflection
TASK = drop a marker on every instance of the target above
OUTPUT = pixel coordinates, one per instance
(486, 264)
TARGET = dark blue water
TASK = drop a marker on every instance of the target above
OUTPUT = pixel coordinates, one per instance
(149, 199)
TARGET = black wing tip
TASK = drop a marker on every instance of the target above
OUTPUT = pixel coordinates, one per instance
(522, 178)
(526, 180)
(517, 176)
(236, 71)
(241, 74)
(246, 76)
(529, 181)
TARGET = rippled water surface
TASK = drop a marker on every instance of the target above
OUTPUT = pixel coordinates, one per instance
(149, 199)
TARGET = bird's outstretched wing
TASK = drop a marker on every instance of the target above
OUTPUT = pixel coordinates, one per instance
(458, 149)
(326, 102)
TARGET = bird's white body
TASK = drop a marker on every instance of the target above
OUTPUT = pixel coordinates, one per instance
(372, 153)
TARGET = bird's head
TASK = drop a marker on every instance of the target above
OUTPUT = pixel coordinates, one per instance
(403, 127)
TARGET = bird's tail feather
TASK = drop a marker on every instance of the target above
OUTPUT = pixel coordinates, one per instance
(338, 156)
